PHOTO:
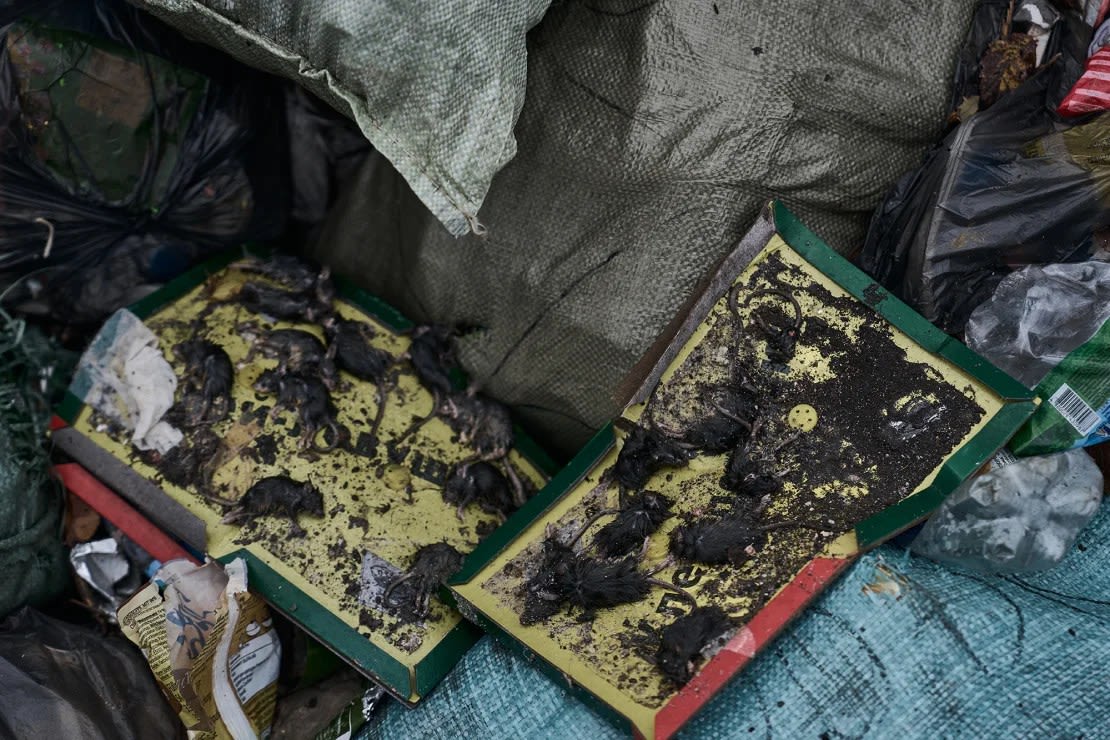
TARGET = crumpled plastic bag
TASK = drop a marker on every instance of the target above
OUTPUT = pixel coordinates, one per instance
(1038, 315)
(1011, 186)
(120, 165)
(1020, 517)
(211, 644)
(1047, 327)
(124, 376)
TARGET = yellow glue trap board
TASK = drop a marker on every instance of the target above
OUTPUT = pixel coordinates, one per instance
(857, 419)
(382, 496)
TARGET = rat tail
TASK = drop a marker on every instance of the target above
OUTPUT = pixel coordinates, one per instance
(340, 435)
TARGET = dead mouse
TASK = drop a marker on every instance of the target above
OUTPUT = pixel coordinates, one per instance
(479, 483)
(645, 450)
(782, 340)
(731, 540)
(485, 425)
(638, 518)
(209, 374)
(432, 356)
(296, 351)
(286, 270)
(481, 422)
(280, 304)
(310, 400)
(683, 641)
(431, 566)
(189, 462)
(727, 426)
(275, 495)
(588, 583)
(350, 348)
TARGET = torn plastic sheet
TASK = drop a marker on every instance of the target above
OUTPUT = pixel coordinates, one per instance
(1041, 17)
(124, 376)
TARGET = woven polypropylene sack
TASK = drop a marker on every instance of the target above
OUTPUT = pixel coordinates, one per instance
(651, 135)
(33, 566)
(899, 648)
(435, 86)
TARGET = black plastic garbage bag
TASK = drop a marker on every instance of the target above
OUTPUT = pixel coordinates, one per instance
(119, 168)
(58, 680)
(1012, 186)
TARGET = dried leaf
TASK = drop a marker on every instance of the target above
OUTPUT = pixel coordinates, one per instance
(1006, 64)
(81, 521)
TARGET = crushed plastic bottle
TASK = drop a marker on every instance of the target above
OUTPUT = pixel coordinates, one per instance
(1021, 517)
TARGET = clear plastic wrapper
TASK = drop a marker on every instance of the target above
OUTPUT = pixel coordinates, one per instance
(1038, 315)
(1016, 518)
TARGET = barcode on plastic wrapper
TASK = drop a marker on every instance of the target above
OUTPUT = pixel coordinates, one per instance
(1075, 410)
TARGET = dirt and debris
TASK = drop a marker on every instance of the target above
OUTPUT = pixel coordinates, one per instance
(791, 347)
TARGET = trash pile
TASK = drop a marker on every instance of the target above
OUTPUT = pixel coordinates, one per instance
(246, 497)
(999, 238)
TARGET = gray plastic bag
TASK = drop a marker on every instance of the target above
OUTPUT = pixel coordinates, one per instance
(1048, 328)
(1015, 518)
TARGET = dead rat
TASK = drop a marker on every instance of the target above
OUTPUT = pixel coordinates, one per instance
(286, 270)
(296, 351)
(280, 304)
(480, 483)
(781, 340)
(309, 398)
(683, 640)
(637, 519)
(208, 374)
(745, 474)
(486, 426)
(550, 577)
(349, 346)
(645, 451)
(728, 426)
(731, 540)
(730, 408)
(275, 495)
(432, 356)
(431, 566)
(189, 462)
(593, 583)
(577, 580)
(481, 422)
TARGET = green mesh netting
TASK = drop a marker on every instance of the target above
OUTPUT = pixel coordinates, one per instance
(32, 561)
